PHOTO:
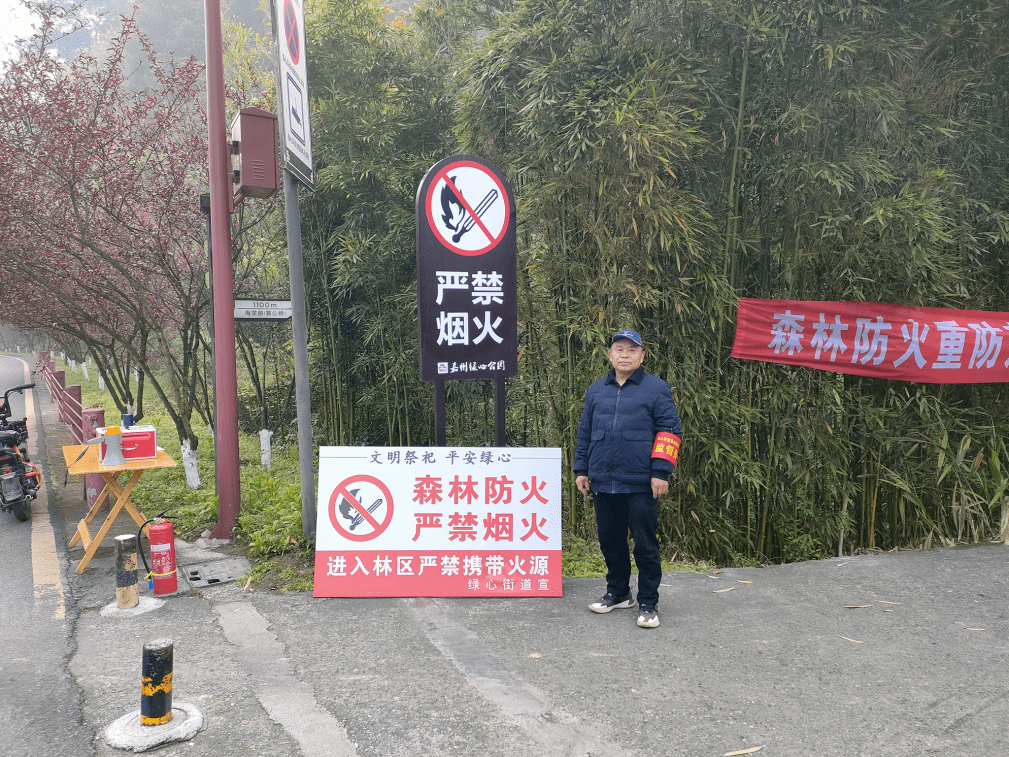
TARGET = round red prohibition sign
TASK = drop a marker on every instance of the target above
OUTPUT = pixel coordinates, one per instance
(291, 33)
(468, 208)
(354, 505)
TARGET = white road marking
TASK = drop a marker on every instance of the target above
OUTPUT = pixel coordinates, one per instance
(287, 700)
(558, 733)
(46, 576)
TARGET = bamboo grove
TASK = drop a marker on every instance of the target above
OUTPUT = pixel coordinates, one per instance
(668, 158)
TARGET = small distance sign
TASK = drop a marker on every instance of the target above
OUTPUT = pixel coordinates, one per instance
(468, 207)
(262, 310)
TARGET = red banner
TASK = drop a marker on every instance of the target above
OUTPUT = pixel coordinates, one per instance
(931, 345)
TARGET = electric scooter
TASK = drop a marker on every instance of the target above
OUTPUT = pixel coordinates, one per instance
(19, 478)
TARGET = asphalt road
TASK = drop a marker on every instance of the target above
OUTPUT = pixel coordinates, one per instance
(39, 700)
(884, 655)
(888, 655)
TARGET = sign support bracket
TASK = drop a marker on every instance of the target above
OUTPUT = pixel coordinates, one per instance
(499, 410)
(439, 414)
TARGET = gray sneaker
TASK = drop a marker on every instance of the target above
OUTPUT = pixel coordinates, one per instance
(648, 617)
(609, 602)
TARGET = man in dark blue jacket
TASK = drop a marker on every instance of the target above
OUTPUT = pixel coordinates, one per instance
(628, 441)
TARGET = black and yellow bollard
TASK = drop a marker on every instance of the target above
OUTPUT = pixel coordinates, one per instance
(159, 720)
(127, 595)
(156, 696)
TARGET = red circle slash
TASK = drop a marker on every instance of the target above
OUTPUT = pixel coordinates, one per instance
(291, 33)
(492, 238)
(343, 490)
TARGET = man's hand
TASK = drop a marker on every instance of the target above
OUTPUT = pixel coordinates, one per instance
(659, 487)
(583, 484)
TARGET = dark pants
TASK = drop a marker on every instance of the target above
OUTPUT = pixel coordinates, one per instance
(639, 512)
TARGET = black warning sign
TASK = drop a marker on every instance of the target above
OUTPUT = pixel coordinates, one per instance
(466, 253)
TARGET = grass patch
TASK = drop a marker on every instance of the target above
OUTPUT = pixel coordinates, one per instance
(271, 512)
(583, 559)
(285, 572)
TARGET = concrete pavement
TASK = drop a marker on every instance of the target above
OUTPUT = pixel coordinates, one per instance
(884, 655)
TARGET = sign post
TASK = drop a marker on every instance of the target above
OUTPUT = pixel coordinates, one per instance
(467, 279)
(296, 158)
(225, 358)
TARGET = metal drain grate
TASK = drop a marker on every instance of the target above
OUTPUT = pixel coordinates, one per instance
(216, 572)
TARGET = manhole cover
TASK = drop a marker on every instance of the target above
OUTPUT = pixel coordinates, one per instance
(216, 571)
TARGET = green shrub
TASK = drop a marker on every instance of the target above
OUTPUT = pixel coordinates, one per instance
(271, 514)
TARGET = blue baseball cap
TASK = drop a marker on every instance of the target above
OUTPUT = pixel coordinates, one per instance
(634, 336)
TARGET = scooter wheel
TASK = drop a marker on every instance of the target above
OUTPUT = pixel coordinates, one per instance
(20, 509)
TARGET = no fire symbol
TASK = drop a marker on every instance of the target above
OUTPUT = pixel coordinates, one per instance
(360, 508)
(468, 208)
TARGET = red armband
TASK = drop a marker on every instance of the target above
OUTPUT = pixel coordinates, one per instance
(667, 446)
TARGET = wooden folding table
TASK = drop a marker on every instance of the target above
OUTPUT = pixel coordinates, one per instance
(88, 463)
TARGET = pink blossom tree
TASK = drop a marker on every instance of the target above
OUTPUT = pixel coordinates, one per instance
(99, 214)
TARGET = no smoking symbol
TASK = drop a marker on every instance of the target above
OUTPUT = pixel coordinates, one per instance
(360, 508)
(291, 33)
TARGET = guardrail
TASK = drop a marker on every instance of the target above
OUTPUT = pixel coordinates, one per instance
(66, 398)
(47, 367)
(43, 359)
(82, 421)
(73, 413)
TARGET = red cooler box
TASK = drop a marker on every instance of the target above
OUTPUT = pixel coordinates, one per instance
(138, 442)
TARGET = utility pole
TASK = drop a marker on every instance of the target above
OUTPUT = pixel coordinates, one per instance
(225, 359)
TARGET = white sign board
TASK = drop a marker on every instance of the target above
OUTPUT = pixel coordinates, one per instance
(438, 522)
(262, 310)
(292, 89)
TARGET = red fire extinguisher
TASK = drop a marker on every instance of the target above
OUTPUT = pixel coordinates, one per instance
(161, 572)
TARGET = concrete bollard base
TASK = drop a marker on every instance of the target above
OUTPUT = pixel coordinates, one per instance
(144, 604)
(127, 733)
